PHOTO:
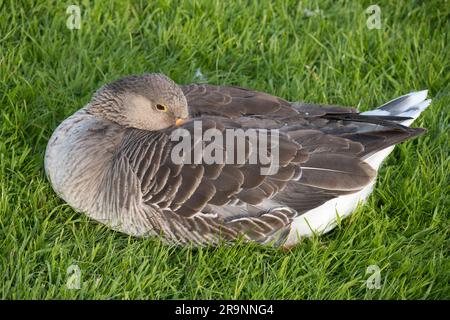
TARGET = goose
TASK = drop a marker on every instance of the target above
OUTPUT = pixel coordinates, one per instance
(113, 161)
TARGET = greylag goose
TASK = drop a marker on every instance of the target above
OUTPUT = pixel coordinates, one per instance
(114, 161)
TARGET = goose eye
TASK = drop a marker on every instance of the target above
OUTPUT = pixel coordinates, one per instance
(161, 107)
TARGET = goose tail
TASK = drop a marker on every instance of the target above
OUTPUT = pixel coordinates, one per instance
(410, 106)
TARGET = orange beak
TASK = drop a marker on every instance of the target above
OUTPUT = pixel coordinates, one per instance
(179, 122)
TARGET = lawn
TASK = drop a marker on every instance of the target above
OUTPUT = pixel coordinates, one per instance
(316, 51)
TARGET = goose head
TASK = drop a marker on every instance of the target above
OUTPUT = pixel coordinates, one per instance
(148, 102)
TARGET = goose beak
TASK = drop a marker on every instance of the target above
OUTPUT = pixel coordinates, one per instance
(179, 122)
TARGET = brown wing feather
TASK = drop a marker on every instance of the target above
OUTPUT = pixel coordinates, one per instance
(234, 102)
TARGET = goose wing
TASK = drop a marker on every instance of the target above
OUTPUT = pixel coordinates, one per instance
(203, 202)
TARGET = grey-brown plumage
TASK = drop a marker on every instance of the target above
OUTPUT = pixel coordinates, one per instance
(112, 160)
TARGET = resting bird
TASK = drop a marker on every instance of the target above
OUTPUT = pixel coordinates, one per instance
(112, 161)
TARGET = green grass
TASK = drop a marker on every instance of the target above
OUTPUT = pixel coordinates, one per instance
(48, 71)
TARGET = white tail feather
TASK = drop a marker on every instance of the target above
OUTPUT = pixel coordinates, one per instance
(409, 105)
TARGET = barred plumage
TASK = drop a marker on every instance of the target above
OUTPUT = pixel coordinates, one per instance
(112, 160)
